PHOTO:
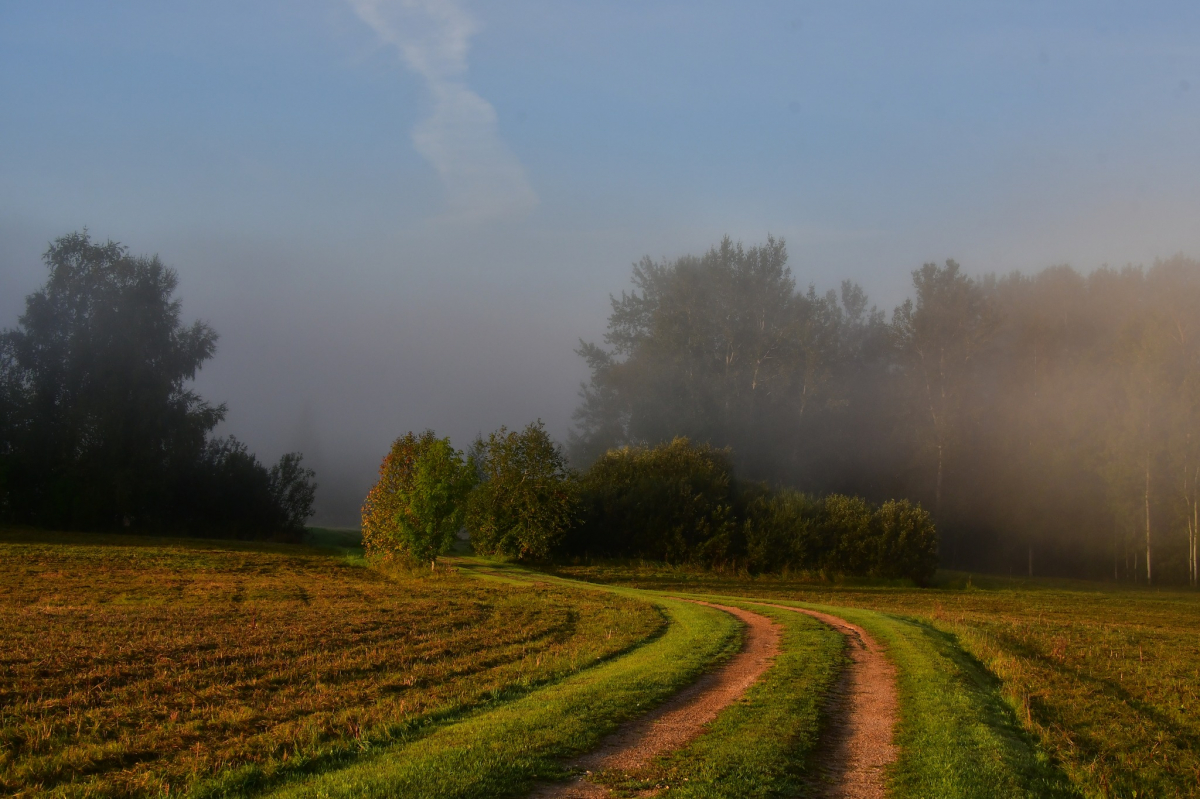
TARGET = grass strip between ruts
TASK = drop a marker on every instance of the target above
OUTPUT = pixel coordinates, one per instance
(503, 751)
(760, 745)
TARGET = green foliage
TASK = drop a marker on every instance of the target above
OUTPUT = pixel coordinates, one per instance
(723, 348)
(98, 425)
(293, 490)
(907, 542)
(838, 535)
(679, 503)
(228, 492)
(847, 527)
(417, 506)
(98, 412)
(672, 502)
(526, 498)
(433, 506)
(782, 530)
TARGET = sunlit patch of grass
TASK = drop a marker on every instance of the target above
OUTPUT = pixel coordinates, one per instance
(137, 666)
(1107, 679)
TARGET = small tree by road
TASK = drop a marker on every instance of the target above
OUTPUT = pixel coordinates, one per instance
(416, 508)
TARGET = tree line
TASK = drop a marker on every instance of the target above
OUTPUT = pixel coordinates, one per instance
(99, 429)
(678, 502)
(1050, 422)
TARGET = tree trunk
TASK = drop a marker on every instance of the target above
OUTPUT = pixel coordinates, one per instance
(1031, 560)
(1149, 573)
(1195, 541)
(1195, 528)
(937, 490)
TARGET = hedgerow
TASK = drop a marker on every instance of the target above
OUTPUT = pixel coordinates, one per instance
(680, 502)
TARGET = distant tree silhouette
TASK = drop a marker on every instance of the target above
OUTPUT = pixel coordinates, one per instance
(98, 425)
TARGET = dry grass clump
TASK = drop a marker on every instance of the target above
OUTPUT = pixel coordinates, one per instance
(137, 667)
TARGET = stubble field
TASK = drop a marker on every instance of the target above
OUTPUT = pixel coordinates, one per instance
(139, 667)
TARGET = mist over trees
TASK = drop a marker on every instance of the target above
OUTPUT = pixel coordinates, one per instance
(98, 426)
(1049, 422)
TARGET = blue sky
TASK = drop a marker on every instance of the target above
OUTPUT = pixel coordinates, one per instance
(404, 214)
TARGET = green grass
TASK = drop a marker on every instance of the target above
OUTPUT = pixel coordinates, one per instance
(957, 736)
(1105, 679)
(343, 540)
(503, 751)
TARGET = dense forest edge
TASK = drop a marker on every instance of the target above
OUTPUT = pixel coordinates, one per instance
(1048, 422)
(99, 429)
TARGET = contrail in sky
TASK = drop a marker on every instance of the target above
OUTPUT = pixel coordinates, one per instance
(482, 177)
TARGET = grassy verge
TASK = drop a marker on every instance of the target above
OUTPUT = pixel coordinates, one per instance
(1106, 678)
(503, 751)
(761, 745)
(132, 666)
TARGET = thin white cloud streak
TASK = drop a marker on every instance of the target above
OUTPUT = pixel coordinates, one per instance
(482, 178)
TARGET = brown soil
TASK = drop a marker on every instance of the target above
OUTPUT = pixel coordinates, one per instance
(682, 717)
(856, 746)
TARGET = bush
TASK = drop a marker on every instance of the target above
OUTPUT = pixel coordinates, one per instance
(838, 535)
(782, 530)
(846, 523)
(416, 508)
(679, 502)
(673, 502)
(907, 541)
(525, 499)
